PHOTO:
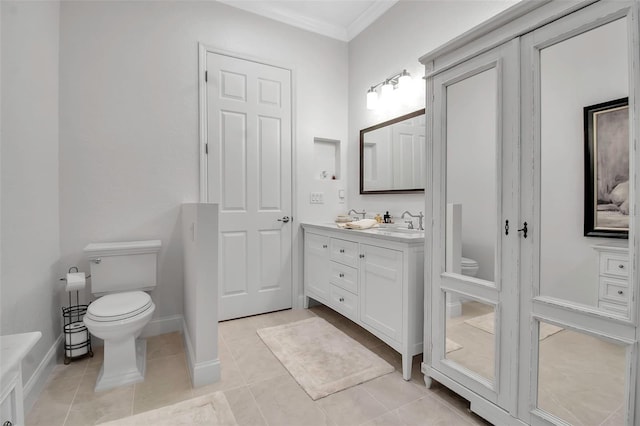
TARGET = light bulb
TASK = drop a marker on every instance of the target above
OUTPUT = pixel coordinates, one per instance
(404, 82)
(372, 99)
(386, 90)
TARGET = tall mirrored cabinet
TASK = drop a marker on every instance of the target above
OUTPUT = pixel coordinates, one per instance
(532, 170)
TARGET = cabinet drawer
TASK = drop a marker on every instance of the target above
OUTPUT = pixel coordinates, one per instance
(614, 308)
(344, 276)
(345, 252)
(315, 242)
(614, 264)
(344, 302)
(614, 290)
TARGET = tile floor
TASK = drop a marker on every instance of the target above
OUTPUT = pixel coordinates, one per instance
(258, 388)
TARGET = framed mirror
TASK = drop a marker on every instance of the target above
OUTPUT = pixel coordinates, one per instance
(392, 155)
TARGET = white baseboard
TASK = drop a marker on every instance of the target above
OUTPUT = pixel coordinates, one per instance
(163, 325)
(300, 304)
(38, 379)
(202, 373)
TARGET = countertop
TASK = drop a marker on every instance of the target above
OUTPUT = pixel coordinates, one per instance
(14, 348)
(391, 232)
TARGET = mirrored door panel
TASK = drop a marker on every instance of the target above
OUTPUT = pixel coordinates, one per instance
(584, 169)
(581, 378)
(471, 175)
(471, 338)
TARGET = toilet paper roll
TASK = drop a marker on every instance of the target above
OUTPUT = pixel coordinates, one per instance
(75, 334)
(76, 281)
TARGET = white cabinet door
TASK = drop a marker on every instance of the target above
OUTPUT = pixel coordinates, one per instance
(381, 290)
(473, 208)
(316, 266)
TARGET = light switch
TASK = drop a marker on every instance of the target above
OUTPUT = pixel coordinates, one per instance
(317, 198)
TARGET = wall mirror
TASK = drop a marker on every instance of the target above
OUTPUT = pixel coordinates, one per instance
(392, 155)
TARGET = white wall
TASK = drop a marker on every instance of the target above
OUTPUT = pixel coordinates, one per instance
(572, 79)
(392, 43)
(29, 181)
(129, 118)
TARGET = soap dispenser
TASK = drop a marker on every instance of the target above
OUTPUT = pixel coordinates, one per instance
(387, 217)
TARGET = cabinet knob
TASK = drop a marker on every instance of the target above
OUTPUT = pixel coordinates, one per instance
(362, 256)
(341, 275)
(341, 250)
(621, 266)
(324, 246)
(7, 423)
(342, 299)
(620, 292)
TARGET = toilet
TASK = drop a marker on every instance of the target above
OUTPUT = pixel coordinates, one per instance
(468, 267)
(120, 275)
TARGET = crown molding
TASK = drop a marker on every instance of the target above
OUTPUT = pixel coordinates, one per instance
(284, 15)
(369, 16)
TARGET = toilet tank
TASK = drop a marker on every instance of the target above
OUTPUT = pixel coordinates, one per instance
(123, 266)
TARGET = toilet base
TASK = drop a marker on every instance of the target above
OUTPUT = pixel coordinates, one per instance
(124, 363)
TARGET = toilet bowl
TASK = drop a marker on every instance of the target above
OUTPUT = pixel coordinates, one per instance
(118, 319)
(468, 267)
(120, 273)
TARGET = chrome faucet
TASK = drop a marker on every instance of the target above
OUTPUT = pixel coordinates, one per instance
(420, 216)
(363, 212)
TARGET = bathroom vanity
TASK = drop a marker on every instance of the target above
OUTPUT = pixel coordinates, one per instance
(13, 349)
(374, 277)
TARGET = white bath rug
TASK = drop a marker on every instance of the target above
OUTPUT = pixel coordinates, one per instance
(487, 323)
(210, 410)
(321, 358)
(452, 346)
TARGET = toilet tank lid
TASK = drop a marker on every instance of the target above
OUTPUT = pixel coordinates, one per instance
(122, 248)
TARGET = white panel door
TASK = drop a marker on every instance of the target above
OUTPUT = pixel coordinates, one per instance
(249, 176)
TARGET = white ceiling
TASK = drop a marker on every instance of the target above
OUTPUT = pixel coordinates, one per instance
(339, 19)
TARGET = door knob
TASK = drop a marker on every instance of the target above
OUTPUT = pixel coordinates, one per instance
(284, 219)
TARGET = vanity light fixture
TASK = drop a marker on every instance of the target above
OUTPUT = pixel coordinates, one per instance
(401, 81)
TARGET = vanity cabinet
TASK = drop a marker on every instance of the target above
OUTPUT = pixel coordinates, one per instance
(374, 279)
(613, 279)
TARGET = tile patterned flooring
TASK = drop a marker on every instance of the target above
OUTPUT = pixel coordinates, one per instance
(258, 388)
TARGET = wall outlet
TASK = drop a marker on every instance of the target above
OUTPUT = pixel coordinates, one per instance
(317, 198)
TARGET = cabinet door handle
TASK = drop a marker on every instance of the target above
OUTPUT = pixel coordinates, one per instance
(341, 250)
(621, 266)
(341, 275)
(324, 246)
(341, 299)
(362, 256)
(620, 292)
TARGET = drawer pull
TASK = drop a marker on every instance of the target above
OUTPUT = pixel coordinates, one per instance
(341, 299)
(341, 275)
(341, 250)
(620, 292)
(621, 266)
(324, 246)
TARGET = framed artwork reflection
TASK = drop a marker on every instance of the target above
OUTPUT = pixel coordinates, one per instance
(606, 166)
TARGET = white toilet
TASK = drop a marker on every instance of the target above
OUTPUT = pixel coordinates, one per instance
(468, 267)
(120, 275)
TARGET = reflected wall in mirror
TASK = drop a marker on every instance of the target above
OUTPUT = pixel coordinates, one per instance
(392, 155)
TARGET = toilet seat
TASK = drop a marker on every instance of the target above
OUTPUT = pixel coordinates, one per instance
(465, 262)
(119, 306)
